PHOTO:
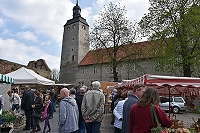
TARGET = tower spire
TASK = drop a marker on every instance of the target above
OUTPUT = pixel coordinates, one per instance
(76, 10)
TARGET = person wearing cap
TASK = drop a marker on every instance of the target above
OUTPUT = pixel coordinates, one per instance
(68, 113)
(81, 121)
(92, 108)
(27, 99)
(138, 90)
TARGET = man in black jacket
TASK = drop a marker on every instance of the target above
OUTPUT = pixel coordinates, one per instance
(138, 90)
(79, 99)
(27, 99)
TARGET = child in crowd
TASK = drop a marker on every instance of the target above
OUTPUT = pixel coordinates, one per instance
(48, 111)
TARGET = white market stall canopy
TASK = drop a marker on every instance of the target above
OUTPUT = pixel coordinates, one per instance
(28, 76)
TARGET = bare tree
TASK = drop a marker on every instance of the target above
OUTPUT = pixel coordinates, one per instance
(111, 32)
(55, 74)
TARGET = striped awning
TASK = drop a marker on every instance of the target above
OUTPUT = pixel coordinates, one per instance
(6, 79)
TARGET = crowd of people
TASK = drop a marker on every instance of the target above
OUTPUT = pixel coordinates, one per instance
(34, 105)
(132, 111)
(82, 111)
(130, 108)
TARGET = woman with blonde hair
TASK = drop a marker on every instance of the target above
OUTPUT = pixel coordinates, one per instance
(140, 118)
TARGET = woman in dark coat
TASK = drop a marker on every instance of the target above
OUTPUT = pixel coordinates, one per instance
(37, 107)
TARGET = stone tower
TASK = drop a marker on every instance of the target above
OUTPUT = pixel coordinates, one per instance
(75, 46)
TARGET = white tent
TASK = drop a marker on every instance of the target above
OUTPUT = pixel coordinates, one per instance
(4, 89)
(28, 76)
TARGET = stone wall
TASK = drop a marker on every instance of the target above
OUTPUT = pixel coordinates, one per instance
(127, 70)
(7, 66)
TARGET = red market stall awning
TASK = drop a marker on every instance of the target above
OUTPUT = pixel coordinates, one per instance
(149, 79)
(171, 84)
(170, 80)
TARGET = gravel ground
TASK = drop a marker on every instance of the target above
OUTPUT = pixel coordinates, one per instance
(187, 118)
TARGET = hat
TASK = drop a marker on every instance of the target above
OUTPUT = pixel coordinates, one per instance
(82, 90)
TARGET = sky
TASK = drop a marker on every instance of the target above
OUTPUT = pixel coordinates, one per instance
(33, 29)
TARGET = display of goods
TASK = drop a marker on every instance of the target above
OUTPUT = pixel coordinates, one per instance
(7, 116)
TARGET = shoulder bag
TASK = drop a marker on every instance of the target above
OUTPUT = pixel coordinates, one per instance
(159, 128)
(36, 114)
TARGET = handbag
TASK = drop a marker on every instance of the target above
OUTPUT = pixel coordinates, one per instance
(35, 114)
(159, 128)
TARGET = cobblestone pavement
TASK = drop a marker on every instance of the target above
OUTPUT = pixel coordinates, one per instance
(107, 128)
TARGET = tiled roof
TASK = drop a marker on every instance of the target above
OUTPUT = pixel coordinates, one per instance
(136, 50)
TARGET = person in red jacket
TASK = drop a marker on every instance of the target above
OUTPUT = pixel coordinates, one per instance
(140, 118)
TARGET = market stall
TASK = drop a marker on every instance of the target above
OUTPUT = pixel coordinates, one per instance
(24, 76)
(28, 76)
(188, 87)
(6, 118)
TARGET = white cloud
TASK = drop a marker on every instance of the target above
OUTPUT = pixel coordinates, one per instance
(1, 22)
(86, 12)
(6, 32)
(27, 35)
(135, 8)
(46, 17)
(14, 51)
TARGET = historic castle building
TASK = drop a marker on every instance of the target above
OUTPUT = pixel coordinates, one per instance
(76, 59)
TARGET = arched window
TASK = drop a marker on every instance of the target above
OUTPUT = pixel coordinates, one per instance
(84, 27)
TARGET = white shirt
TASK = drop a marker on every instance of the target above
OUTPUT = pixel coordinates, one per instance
(15, 99)
(118, 112)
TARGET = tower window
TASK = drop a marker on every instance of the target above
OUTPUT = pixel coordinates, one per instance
(72, 50)
(74, 26)
(84, 27)
(73, 58)
(72, 38)
(67, 28)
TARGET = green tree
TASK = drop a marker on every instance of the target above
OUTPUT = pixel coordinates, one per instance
(110, 33)
(174, 25)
